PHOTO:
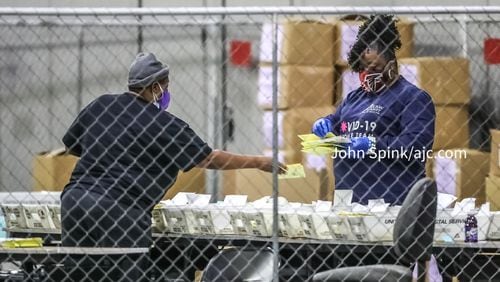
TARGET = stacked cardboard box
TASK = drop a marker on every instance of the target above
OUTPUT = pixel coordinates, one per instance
(291, 123)
(307, 43)
(459, 171)
(191, 181)
(446, 79)
(317, 185)
(462, 173)
(493, 180)
(298, 86)
(305, 82)
(52, 170)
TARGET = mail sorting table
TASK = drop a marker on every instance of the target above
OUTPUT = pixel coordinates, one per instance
(52, 257)
(301, 258)
(181, 254)
(47, 261)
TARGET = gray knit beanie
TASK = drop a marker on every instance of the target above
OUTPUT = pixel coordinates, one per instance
(145, 70)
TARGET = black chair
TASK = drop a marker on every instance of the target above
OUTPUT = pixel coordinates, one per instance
(240, 265)
(413, 237)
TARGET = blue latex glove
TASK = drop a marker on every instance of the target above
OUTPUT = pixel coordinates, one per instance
(360, 144)
(359, 147)
(321, 127)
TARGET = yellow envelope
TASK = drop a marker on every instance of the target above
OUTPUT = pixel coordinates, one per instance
(313, 137)
(313, 144)
(293, 171)
(22, 243)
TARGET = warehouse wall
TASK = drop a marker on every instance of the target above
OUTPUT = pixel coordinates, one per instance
(40, 76)
(195, 3)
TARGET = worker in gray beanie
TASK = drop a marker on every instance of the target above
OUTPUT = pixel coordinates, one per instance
(144, 72)
(131, 150)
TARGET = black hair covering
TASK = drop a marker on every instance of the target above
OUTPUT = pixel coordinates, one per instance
(379, 31)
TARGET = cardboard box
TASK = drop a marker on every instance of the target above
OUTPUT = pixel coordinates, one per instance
(290, 124)
(495, 152)
(346, 81)
(257, 184)
(323, 167)
(347, 30)
(299, 42)
(298, 86)
(429, 167)
(52, 170)
(493, 192)
(462, 173)
(446, 79)
(191, 181)
(451, 127)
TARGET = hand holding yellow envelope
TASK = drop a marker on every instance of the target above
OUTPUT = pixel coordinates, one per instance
(323, 146)
(293, 171)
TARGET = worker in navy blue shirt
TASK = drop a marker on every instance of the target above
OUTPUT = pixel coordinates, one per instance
(389, 120)
(131, 150)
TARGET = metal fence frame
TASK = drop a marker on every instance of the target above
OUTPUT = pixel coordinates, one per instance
(87, 14)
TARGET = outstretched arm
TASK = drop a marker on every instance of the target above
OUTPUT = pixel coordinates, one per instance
(224, 160)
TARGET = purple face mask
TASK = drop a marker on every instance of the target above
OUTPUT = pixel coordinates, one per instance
(164, 100)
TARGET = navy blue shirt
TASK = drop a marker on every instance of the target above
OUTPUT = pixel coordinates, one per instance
(129, 150)
(401, 119)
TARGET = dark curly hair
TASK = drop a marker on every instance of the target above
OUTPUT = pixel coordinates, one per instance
(378, 32)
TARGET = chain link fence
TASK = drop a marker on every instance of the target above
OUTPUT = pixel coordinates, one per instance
(247, 80)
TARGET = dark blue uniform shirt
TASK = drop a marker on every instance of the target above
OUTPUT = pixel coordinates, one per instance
(401, 118)
(130, 150)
